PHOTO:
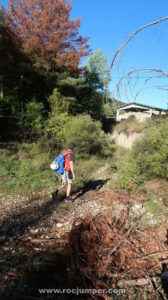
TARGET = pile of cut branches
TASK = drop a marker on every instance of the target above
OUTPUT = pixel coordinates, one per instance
(110, 252)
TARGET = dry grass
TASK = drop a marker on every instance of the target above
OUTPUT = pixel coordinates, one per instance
(131, 126)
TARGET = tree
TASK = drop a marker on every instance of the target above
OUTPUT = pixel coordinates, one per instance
(31, 119)
(97, 72)
(94, 91)
(58, 117)
(58, 103)
(87, 93)
(20, 82)
(46, 31)
(19, 76)
(12, 60)
(2, 17)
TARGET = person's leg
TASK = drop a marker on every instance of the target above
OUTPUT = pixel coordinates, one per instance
(68, 193)
(60, 187)
(68, 190)
(69, 183)
(63, 183)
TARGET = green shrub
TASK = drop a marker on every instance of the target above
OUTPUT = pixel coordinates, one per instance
(55, 127)
(128, 174)
(31, 118)
(58, 103)
(84, 169)
(8, 163)
(107, 110)
(87, 135)
(26, 170)
(151, 152)
(58, 117)
(129, 177)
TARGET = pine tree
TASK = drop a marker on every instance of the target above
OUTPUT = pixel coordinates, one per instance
(47, 32)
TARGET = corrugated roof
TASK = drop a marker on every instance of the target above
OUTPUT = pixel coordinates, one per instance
(143, 105)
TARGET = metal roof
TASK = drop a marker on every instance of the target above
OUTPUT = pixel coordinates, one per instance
(136, 105)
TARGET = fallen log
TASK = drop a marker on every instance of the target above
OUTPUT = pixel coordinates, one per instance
(158, 253)
(135, 282)
(46, 240)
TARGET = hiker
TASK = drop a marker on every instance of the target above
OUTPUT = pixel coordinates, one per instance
(68, 176)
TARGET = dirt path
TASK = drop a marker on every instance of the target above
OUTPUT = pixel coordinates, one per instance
(36, 233)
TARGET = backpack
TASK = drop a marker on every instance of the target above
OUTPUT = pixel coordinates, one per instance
(58, 163)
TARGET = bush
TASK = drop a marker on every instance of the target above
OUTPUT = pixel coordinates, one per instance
(87, 136)
(9, 117)
(55, 127)
(84, 169)
(107, 110)
(31, 118)
(130, 178)
(25, 170)
(58, 103)
(151, 152)
(128, 174)
(58, 117)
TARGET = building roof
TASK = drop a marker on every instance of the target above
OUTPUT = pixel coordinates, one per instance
(142, 106)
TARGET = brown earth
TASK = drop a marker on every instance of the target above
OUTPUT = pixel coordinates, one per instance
(99, 241)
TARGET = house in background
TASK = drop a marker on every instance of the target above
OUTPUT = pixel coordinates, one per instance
(141, 112)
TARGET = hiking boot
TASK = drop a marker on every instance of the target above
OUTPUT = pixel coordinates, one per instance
(68, 200)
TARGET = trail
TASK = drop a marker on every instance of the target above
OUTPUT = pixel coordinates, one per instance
(37, 233)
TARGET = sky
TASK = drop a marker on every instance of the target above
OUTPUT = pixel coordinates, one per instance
(107, 23)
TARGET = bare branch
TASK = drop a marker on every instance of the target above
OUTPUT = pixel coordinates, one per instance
(128, 75)
(130, 37)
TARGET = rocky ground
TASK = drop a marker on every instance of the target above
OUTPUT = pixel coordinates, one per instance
(103, 239)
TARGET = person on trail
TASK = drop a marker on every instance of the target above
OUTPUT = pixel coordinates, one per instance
(69, 175)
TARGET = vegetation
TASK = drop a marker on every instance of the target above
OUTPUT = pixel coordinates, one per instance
(48, 101)
(90, 139)
(151, 152)
(131, 125)
(55, 40)
(147, 160)
(128, 175)
(25, 168)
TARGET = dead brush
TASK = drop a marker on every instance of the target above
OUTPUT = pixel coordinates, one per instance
(110, 252)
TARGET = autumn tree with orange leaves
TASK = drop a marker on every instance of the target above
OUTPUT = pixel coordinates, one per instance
(47, 32)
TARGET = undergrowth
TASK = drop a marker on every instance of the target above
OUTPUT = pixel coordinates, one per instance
(131, 125)
(127, 173)
(26, 168)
